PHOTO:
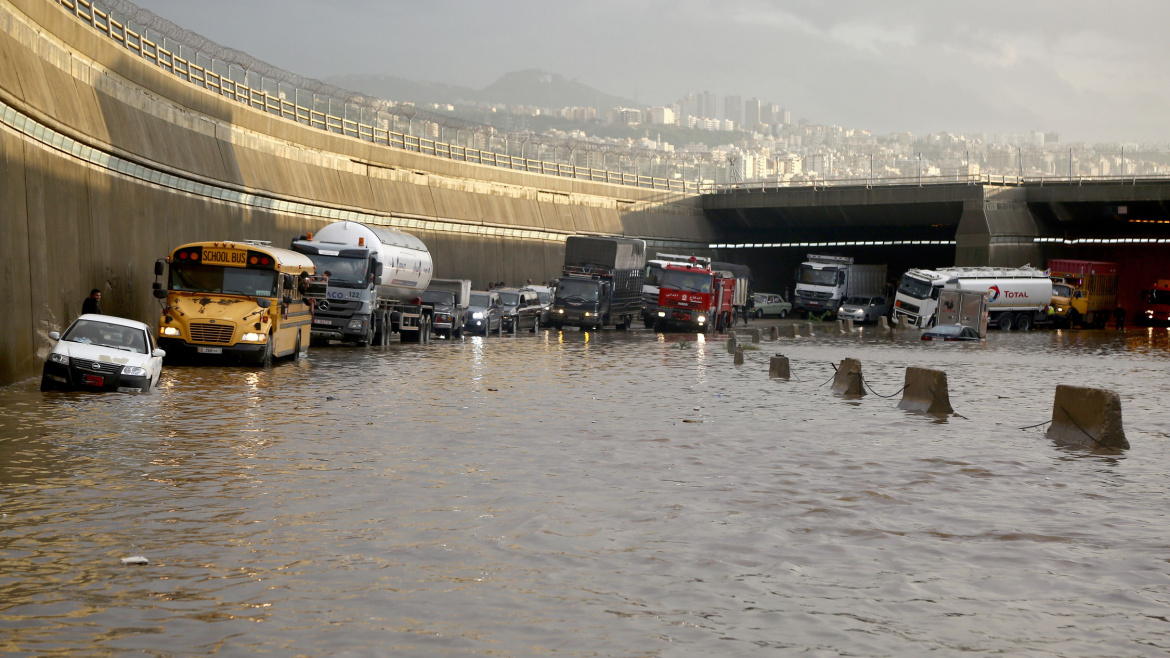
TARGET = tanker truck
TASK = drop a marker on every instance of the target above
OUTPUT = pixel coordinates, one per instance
(1017, 297)
(368, 284)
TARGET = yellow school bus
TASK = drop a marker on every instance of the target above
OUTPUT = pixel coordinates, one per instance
(235, 300)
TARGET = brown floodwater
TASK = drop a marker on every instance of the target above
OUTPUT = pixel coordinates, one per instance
(546, 494)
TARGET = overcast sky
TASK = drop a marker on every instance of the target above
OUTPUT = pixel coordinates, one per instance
(1092, 71)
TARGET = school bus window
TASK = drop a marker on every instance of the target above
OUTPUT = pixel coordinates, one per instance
(188, 277)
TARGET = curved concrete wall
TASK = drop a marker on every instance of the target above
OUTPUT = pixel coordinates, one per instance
(73, 221)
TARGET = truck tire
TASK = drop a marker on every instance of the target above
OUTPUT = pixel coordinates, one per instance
(1023, 322)
(1004, 321)
(424, 332)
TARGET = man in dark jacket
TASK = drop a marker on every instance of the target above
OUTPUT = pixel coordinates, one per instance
(91, 303)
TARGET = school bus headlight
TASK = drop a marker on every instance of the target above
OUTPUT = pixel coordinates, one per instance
(254, 338)
(169, 331)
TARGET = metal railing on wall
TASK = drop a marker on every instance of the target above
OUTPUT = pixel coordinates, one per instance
(325, 112)
(922, 181)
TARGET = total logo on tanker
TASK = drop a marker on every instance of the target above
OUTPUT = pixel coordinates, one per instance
(1008, 294)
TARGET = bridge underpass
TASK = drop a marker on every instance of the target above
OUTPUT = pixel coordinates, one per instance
(940, 225)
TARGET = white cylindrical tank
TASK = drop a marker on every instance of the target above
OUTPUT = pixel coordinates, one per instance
(1015, 289)
(406, 262)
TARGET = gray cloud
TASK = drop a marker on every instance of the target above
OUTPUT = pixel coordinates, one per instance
(1090, 70)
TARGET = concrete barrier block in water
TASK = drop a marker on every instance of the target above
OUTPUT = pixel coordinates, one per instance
(756, 335)
(790, 331)
(731, 344)
(1087, 417)
(847, 381)
(773, 333)
(883, 324)
(779, 368)
(739, 356)
(840, 326)
(926, 392)
(849, 325)
(808, 328)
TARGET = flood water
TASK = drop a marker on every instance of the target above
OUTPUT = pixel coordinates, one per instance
(545, 494)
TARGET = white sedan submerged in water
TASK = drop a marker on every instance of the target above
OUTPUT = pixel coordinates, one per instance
(103, 353)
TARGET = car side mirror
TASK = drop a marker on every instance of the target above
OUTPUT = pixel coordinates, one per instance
(263, 302)
(158, 268)
(160, 353)
(286, 300)
(160, 294)
(54, 335)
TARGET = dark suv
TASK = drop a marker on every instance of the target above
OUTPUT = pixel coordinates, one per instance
(521, 309)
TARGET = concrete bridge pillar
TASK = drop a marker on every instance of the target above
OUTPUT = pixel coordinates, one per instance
(998, 229)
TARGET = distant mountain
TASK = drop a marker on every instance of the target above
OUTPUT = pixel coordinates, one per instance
(530, 87)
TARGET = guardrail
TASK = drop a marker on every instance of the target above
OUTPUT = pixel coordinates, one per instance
(923, 181)
(207, 77)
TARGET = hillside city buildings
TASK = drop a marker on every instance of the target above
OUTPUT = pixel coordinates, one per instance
(756, 141)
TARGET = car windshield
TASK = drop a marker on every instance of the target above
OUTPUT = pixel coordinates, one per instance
(342, 271)
(858, 301)
(688, 281)
(1160, 296)
(916, 288)
(510, 298)
(544, 297)
(652, 274)
(481, 300)
(813, 276)
(224, 280)
(438, 297)
(92, 332)
(947, 330)
(1059, 290)
(576, 289)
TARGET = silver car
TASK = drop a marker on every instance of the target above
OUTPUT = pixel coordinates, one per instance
(863, 309)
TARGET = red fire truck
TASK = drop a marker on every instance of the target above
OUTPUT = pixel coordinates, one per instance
(1156, 304)
(692, 297)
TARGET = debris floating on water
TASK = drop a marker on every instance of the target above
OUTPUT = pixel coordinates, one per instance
(135, 559)
(691, 420)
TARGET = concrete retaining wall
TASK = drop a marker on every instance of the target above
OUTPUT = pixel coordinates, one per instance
(71, 225)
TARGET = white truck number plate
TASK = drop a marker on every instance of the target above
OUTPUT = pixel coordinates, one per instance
(211, 350)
